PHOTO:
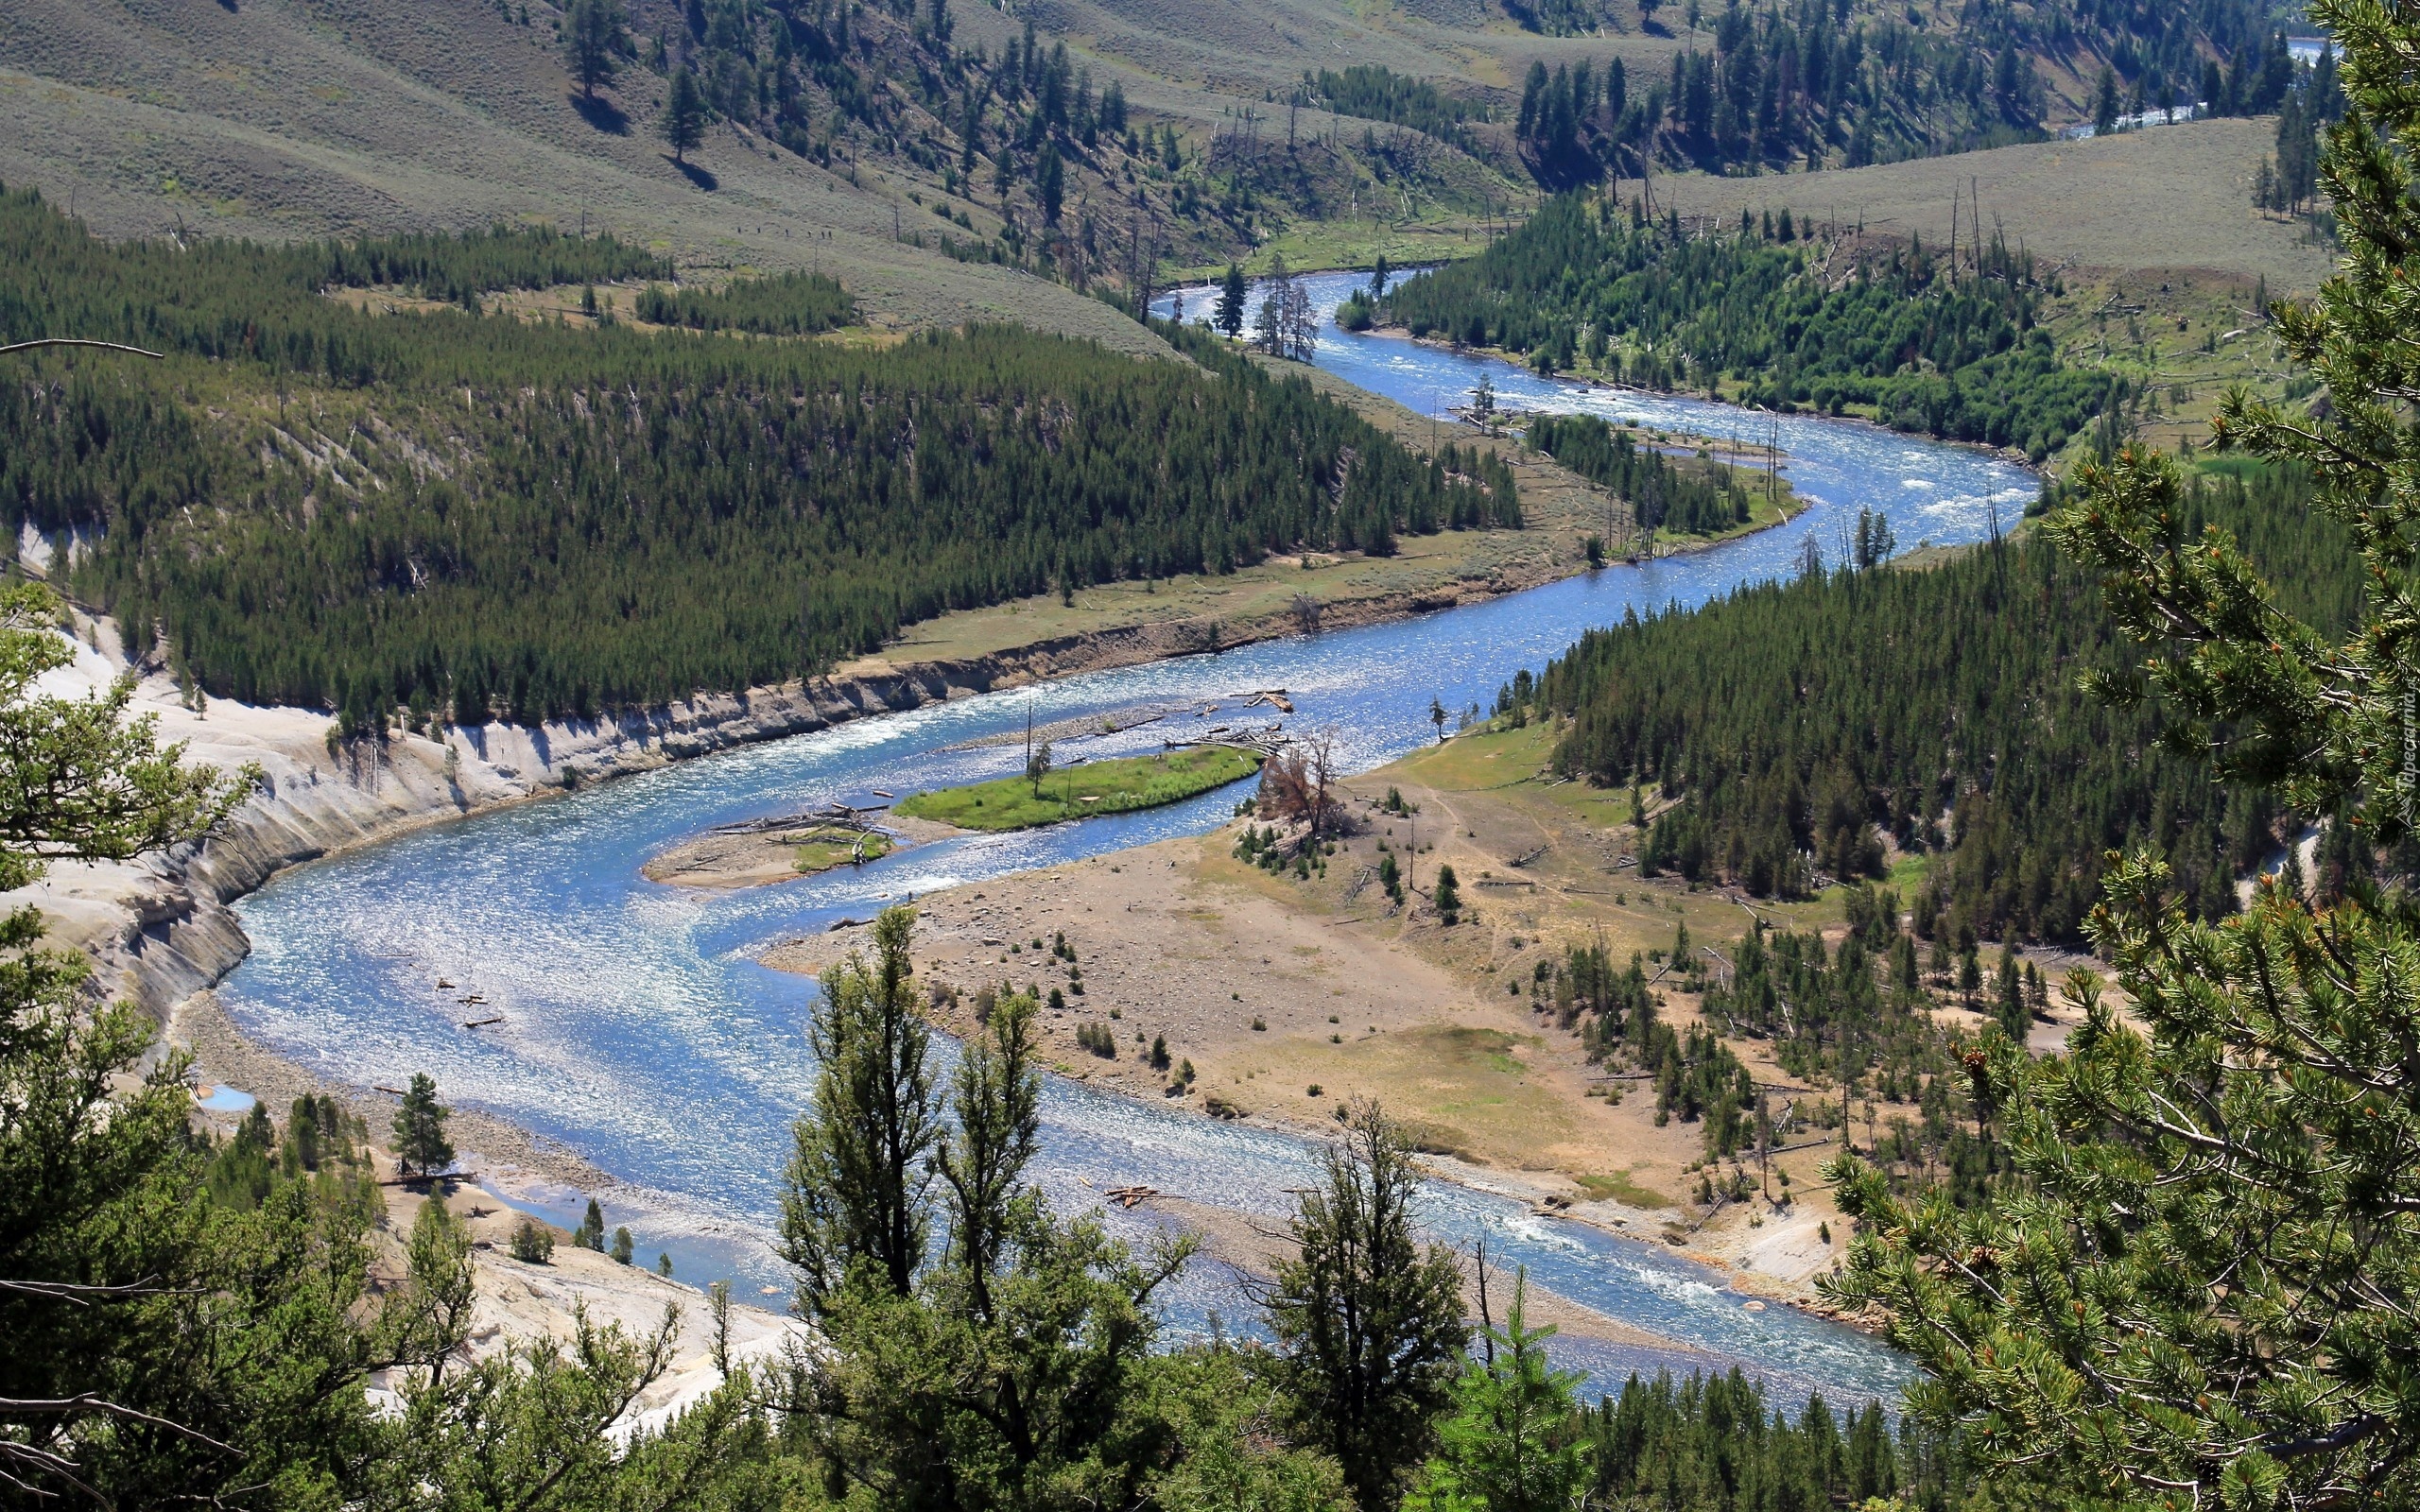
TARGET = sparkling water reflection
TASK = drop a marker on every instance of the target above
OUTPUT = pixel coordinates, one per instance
(641, 1033)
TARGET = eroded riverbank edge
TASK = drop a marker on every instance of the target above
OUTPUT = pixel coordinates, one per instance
(161, 929)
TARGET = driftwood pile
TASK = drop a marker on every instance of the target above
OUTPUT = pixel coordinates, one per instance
(1265, 740)
(833, 815)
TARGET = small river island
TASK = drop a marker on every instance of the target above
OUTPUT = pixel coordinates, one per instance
(752, 855)
(1118, 785)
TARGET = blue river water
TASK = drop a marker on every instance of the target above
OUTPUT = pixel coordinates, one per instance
(641, 1033)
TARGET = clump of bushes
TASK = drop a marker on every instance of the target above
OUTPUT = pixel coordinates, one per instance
(534, 1242)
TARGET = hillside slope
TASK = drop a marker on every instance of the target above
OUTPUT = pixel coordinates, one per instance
(1200, 131)
(2173, 197)
(277, 118)
(280, 118)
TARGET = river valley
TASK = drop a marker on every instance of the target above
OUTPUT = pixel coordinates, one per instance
(639, 1031)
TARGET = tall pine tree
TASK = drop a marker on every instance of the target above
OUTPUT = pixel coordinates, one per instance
(855, 1194)
(1369, 1324)
(684, 115)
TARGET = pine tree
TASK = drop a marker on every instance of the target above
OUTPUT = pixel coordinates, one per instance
(1277, 290)
(1368, 1325)
(1024, 1359)
(532, 1243)
(854, 1199)
(593, 42)
(2015, 1017)
(2202, 1296)
(1230, 318)
(162, 1346)
(1051, 182)
(590, 1232)
(684, 115)
(997, 1101)
(420, 1146)
(1448, 896)
(1513, 1442)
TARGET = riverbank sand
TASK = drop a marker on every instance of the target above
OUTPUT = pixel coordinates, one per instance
(1289, 996)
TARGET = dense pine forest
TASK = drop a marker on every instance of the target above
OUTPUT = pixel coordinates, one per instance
(1703, 501)
(470, 514)
(1824, 83)
(1375, 92)
(1717, 1442)
(786, 305)
(1938, 708)
(1925, 343)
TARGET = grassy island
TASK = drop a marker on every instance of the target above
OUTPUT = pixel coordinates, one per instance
(1118, 785)
(825, 847)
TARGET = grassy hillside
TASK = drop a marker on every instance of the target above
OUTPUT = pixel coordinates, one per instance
(840, 132)
(276, 119)
(283, 117)
(2171, 196)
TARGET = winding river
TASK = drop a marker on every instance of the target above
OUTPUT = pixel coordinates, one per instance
(641, 1033)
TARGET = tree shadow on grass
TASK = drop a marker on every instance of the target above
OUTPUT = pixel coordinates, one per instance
(695, 174)
(602, 114)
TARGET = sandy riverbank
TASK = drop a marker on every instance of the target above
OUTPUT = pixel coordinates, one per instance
(1256, 1247)
(1288, 996)
(515, 1302)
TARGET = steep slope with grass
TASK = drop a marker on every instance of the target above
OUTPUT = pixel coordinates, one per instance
(275, 118)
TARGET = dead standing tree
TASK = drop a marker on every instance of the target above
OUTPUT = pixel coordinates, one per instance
(1298, 785)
